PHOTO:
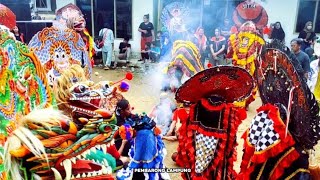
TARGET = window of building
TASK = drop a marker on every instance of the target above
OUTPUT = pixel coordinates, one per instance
(308, 10)
(123, 18)
(43, 5)
(116, 15)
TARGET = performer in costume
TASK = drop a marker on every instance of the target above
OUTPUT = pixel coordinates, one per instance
(244, 48)
(314, 81)
(23, 87)
(184, 64)
(71, 16)
(48, 145)
(147, 150)
(286, 125)
(207, 140)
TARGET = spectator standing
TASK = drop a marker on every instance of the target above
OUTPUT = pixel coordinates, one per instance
(217, 48)
(201, 43)
(310, 50)
(226, 29)
(98, 52)
(301, 56)
(108, 46)
(226, 32)
(147, 34)
(19, 36)
(307, 34)
(277, 32)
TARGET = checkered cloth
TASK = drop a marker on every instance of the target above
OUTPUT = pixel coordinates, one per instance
(205, 149)
(262, 133)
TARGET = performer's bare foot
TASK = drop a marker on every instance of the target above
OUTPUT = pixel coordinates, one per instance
(124, 159)
(169, 138)
(174, 156)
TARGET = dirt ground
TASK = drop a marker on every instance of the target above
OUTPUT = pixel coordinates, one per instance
(144, 94)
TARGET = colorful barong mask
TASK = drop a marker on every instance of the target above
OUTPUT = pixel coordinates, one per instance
(80, 97)
(7, 17)
(207, 140)
(250, 11)
(72, 17)
(23, 86)
(58, 49)
(174, 17)
(48, 145)
(185, 63)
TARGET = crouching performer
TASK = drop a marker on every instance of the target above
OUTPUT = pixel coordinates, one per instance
(147, 151)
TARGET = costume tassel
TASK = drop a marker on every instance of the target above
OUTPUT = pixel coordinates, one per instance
(289, 109)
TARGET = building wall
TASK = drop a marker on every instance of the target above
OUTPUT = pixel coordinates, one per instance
(139, 8)
(284, 11)
(61, 3)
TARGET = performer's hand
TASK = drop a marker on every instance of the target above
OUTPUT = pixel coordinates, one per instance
(168, 133)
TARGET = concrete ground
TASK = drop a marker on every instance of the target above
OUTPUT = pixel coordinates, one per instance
(144, 94)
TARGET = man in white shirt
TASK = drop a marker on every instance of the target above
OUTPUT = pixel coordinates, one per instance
(107, 48)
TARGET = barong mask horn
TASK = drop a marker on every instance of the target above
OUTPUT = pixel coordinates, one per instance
(212, 90)
(280, 80)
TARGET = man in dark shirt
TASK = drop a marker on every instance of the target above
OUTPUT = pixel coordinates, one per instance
(124, 49)
(302, 57)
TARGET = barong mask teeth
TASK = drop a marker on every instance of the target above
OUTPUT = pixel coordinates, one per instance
(87, 99)
(63, 151)
(80, 97)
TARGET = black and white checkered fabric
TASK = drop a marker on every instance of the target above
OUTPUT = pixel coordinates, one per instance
(262, 133)
(205, 149)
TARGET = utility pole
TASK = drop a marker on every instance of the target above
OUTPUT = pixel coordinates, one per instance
(92, 18)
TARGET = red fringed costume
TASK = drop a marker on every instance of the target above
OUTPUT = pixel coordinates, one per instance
(287, 125)
(244, 48)
(207, 140)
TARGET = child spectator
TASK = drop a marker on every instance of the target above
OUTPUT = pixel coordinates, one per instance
(166, 46)
(154, 52)
(145, 52)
